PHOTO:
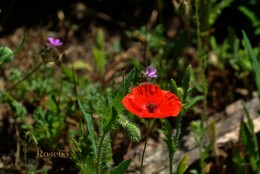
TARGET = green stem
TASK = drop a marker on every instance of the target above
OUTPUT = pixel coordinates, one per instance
(74, 79)
(28, 75)
(203, 63)
(198, 24)
(150, 123)
(175, 143)
(99, 152)
(202, 59)
(171, 154)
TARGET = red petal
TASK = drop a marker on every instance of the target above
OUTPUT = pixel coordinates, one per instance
(167, 104)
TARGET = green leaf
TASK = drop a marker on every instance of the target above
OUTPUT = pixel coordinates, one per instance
(126, 83)
(82, 65)
(121, 168)
(100, 39)
(131, 130)
(6, 55)
(183, 165)
(123, 90)
(186, 82)
(100, 59)
(111, 122)
(106, 155)
(18, 108)
(238, 160)
(252, 16)
(197, 85)
(67, 72)
(189, 104)
(88, 119)
(246, 137)
(174, 87)
(249, 119)
(52, 105)
(255, 63)
(251, 145)
(167, 131)
(194, 171)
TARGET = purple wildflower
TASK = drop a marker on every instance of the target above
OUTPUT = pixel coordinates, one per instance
(151, 72)
(54, 42)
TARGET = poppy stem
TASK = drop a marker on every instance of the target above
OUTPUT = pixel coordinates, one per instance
(150, 125)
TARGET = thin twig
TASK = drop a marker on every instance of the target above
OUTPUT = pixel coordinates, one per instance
(25, 77)
(150, 123)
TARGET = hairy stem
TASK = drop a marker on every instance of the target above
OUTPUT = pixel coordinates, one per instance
(25, 77)
(99, 152)
(203, 63)
(150, 123)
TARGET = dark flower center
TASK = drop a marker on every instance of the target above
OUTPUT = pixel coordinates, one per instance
(151, 107)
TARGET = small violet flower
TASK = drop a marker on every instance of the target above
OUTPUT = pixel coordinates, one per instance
(54, 42)
(151, 72)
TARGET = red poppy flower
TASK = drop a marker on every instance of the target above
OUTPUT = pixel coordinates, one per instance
(149, 101)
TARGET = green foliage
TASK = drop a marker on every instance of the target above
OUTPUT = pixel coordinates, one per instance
(67, 73)
(238, 159)
(183, 165)
(84, 157)
(33, 170)
(89, 124)
(99, 52)
(16, 107)
(109, 109)
(169, 138)
(174, 88)
(155, 39)
(252, 17)
(123, 90)
(199, 131)
(7, 55)
(105, 155)
(230, 52)
(246, 154)
(121, 168)
(48, 125)
(216, 8)
(184, 92)
(131, 130)
(254, 61)
(186, 83)
(172, 141)
(249, 141)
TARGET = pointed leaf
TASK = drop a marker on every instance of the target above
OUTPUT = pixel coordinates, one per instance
(127, 81)
(88, 119)
(249, 120)
(183, 165)
(174, 87)
(112, 121)
(255, 63)
(121, 168)
(192, 102)
(124, 87)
